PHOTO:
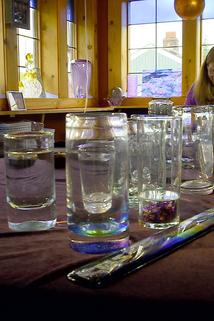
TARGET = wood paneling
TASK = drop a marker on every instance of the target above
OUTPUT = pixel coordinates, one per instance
(49, 41)
(86, 19)
(2, 73)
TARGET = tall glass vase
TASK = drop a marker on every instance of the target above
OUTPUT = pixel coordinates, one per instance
(80, 77)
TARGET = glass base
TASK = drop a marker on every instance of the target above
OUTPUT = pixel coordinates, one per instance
(159, 226)
(99, 246)
(197, 187)
(32, 225)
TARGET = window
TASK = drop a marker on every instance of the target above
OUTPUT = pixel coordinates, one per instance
(207, 25)
(28, 41)
(71, 41)
(154, 49)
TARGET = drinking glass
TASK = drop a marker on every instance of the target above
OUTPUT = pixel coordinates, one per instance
(197, 153)
(159, 170)
(133, 152)
(96, 161)
(160, 106)
(97, 181)
(30, 182)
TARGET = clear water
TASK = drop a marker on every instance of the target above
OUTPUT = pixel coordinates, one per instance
(30, 189)
(159, 208)
(105, 224)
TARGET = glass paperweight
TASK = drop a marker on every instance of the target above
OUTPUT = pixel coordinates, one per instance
(116, 98)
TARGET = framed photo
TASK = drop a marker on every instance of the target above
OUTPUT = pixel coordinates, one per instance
(16, 100)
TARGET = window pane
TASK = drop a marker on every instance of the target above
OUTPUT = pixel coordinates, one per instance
(71, 39)
(166, 11)
(21, 72)
(72, 54)
(141, 59)
(33, 32)
(155, 50)
(27, 45)
(141, 12)
(169, 58)
(169, 34)
(135, 85)
(208, 10)
(207, 36)
(205, 50)
(33, 4)
(70, 10)
(141, 36)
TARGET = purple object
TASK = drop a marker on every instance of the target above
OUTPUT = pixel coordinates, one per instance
(132, 85)
(190, 100)
(81, 77)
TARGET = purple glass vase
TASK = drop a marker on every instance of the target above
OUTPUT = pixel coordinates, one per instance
(81, 77)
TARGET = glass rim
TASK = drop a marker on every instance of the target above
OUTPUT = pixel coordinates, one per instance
(156, 117)
(28, 134)
(191, 106)
(96, 114)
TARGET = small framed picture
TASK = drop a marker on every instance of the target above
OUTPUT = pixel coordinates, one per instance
(16, 100)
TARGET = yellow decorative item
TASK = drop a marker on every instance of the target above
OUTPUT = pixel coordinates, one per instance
(31, 84)
(189, 9)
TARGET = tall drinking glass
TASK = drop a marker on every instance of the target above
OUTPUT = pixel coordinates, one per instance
(133, 172)
(97, 181)
(197, 152)
(159, 170)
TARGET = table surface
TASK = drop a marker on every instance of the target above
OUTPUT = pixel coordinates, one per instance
(34, 286)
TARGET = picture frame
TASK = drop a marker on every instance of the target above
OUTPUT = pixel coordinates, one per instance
(16, 101)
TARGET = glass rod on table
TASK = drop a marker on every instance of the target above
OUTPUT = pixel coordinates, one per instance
(113, 266)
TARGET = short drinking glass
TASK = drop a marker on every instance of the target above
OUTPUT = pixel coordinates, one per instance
(30, 180)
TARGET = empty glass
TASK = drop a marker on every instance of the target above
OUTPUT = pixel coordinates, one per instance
(81, 77)
(133, 173)
(197, 153)
(160, 106)
(96, 160)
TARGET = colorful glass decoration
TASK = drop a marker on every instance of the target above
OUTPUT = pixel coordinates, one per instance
(31, 85)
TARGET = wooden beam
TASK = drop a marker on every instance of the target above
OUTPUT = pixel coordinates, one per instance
(10, 56)
(62, 49)
(87, 38)
(2, 67)
(49, 49)
(117, 44)
(191, 53)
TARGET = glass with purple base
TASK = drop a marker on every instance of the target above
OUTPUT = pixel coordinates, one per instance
(159, 170)
(97, 181)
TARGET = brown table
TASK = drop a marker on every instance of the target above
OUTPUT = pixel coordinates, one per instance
(33, 268)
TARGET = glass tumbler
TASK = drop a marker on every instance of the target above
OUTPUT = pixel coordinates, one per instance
(97, 181)
(133, 156)
(159, 170)
(197, 151)
(30, 180)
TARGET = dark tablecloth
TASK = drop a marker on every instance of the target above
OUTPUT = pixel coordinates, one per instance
(34, 286)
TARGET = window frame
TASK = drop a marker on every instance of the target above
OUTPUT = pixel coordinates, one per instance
(116, 57)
